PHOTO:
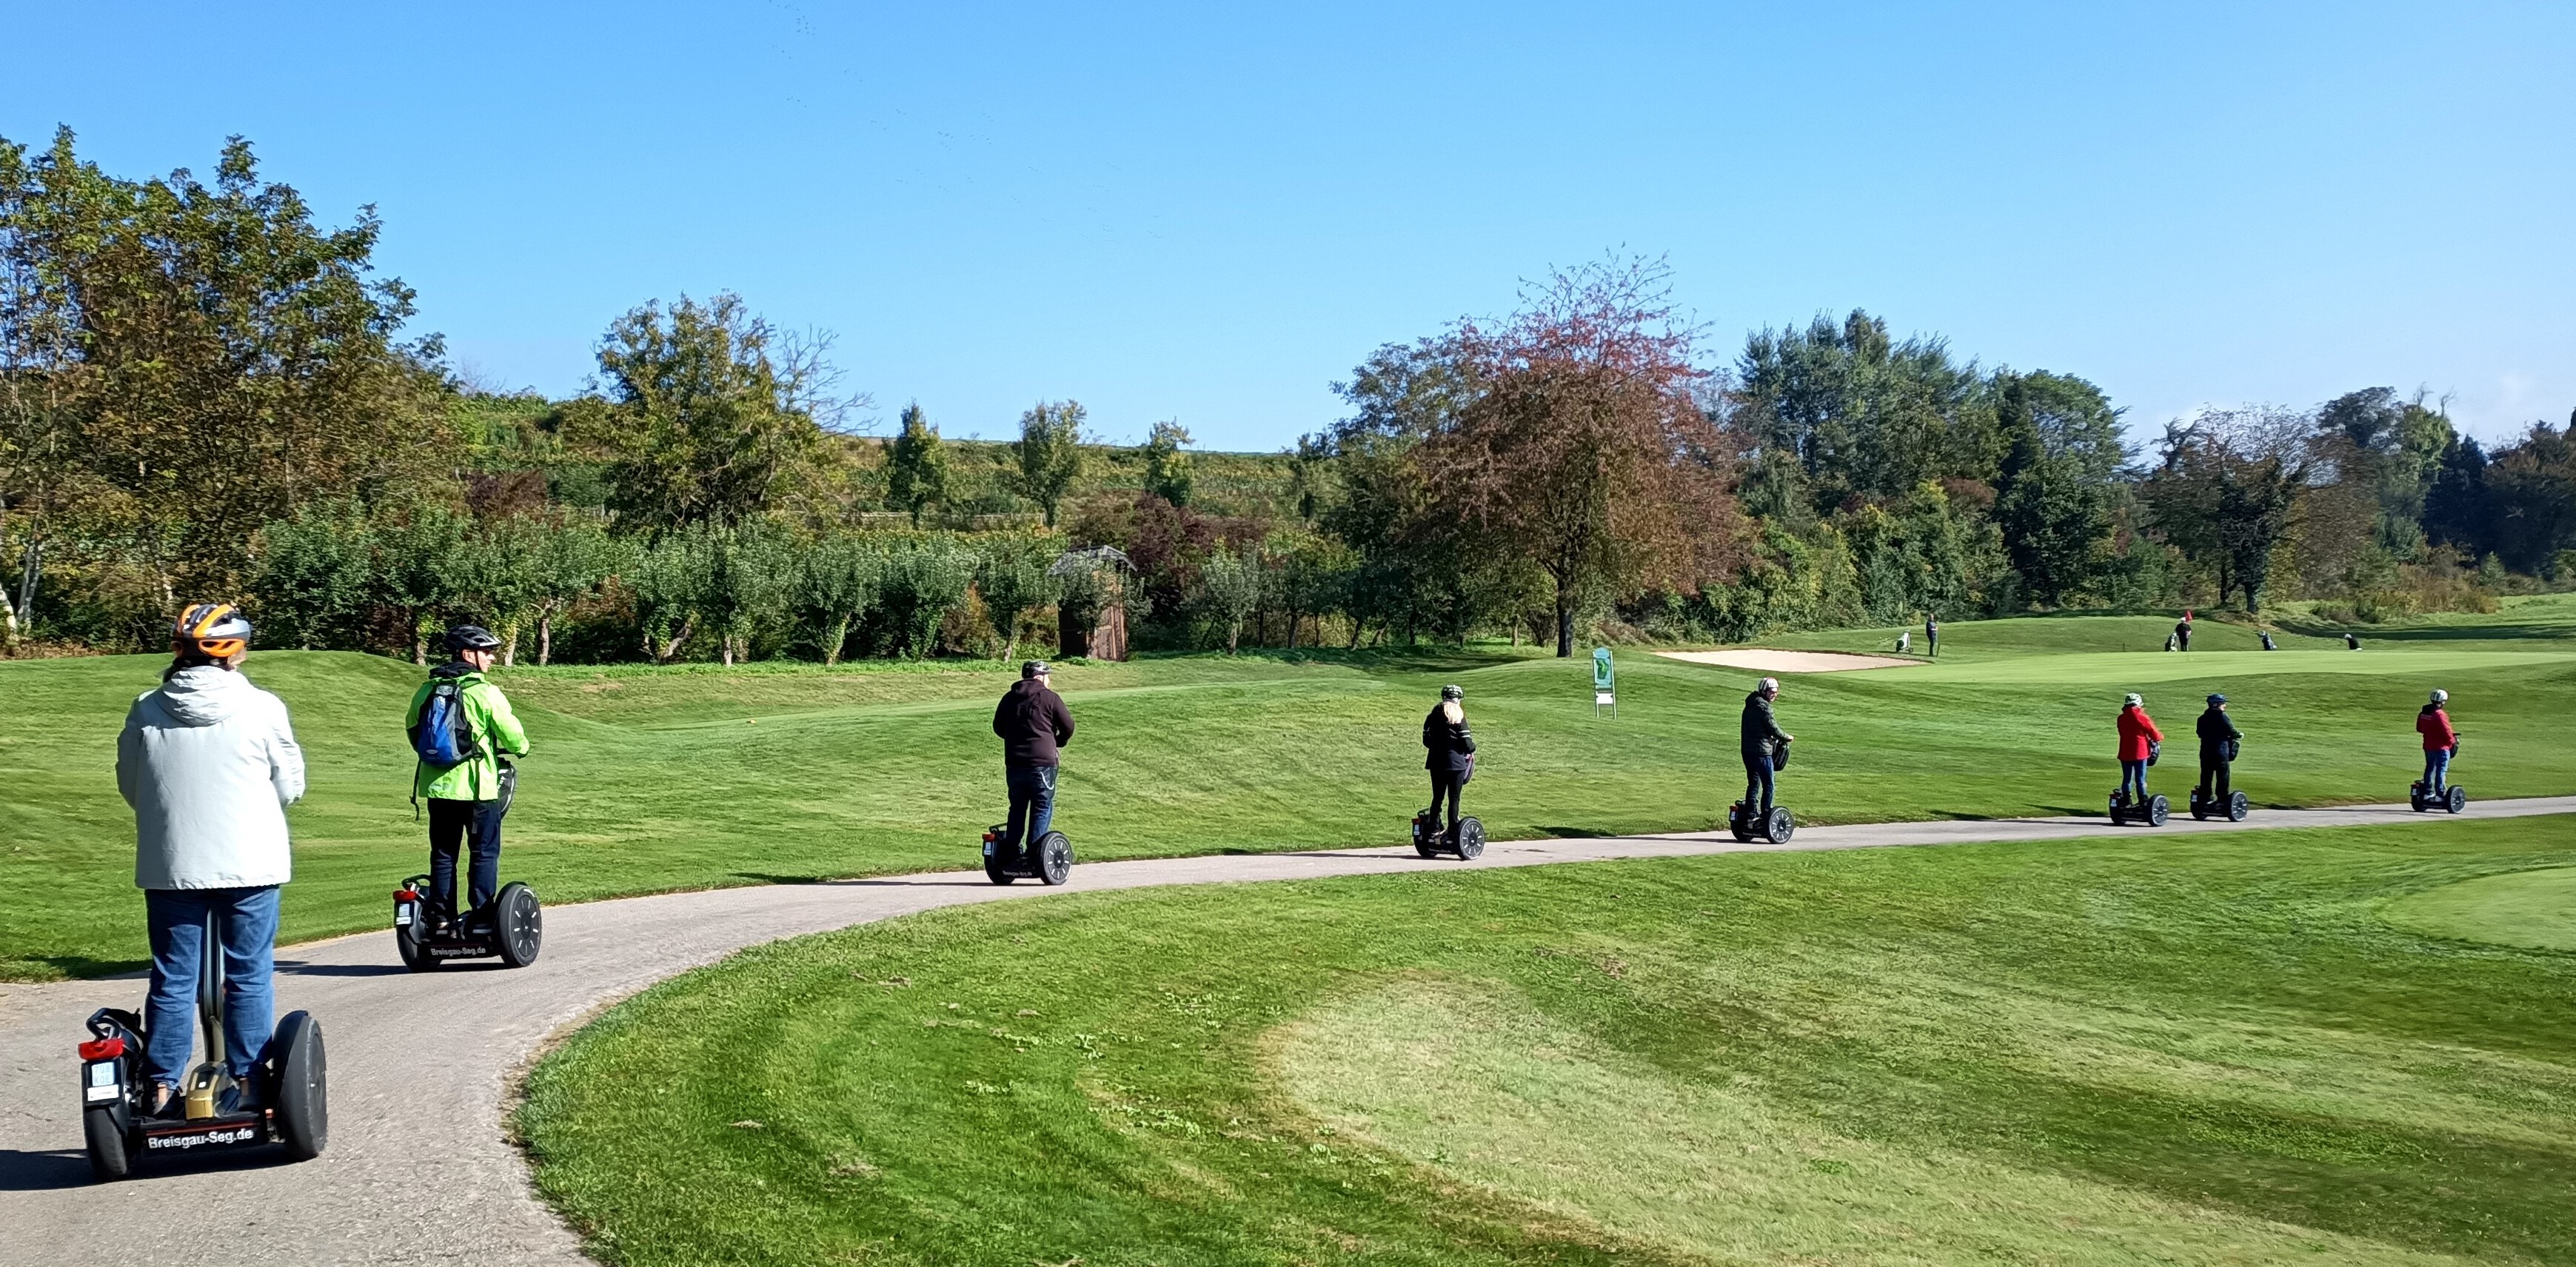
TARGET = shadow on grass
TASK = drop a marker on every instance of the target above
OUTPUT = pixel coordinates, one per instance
(71, 966)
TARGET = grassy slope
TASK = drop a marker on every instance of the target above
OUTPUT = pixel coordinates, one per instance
(648, 779)
(2145, 1049)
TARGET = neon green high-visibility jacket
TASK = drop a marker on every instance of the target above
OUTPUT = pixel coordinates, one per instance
(496, 731)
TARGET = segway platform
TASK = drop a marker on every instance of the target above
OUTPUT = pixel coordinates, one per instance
(511, 929)
(2233, 811)
(1747, 824)
(288, 1090)
(1431, 842)
(2154, 813)
(2452, 798)
(1050, 863)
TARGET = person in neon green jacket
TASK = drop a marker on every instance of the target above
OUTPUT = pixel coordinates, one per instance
(467, 799)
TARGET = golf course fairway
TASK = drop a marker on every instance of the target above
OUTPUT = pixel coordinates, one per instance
(648, 779)
(2151, 1048)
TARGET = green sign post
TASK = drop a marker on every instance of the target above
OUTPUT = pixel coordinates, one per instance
(1604, 686)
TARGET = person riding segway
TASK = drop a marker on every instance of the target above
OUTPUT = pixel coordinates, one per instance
(1452, 762)
(208, 762)
(464, 734)
(2140, 744)
(1765, 748)
(1034, 726)
(2441, 743)
(2220, 741)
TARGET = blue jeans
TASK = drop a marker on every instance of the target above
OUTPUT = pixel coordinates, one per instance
(1032, 805)
(2134, 774)
(476, 825)
(2437, 769)
(1758, 775)
(246, 927)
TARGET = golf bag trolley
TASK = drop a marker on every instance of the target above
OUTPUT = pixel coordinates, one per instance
(2451, 798)
(1050, 861)
(286, 1099)
(1747, 822)
(511, 927)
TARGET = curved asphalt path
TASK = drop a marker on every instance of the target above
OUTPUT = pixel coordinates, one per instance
(419, 1169)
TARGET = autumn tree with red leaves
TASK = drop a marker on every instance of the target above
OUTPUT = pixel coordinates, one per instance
(1584, 449)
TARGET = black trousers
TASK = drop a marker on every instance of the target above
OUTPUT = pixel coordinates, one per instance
(2213, 770)
(1447, 783)
(476, 825)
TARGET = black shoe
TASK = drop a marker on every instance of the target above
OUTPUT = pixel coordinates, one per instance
(161, 1103)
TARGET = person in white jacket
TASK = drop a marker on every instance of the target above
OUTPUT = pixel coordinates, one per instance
(209, 763)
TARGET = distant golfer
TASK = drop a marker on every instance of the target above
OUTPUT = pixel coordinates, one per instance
(209, 762)
(2182, 632)
(1452, 752)
(1931, 636)
(2219, 741)
(1761, 736)
(2441, 742)
(2138, 740)
(1033, 723)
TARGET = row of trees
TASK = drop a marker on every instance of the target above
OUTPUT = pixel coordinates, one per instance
(201, 393)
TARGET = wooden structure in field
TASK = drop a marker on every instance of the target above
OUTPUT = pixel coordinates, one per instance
(1091, 617)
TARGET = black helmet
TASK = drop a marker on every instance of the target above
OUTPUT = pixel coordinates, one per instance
(1453, 692)
(471, 638)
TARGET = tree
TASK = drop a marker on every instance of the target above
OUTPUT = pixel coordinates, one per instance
(2532, 487)
(1837, 411)
(709, 413)
(2228, 490)
(187, 362)
(1014, 575)
(1231, 585)
(1314, 578)
(2062, 453)
(840, 580)
(916, 465)
(315, 575)
(669, 580)
(2458, 511)
(1584, 450)
(925, 578)
(748, 579)
(419, 569)
(572, 558)
(499, 581)
(1049, 453)
(1167, 468)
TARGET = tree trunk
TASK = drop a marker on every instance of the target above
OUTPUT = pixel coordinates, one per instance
(31, 566)
(688, 629)
(419, 642)
(545, 637)
(1233, 637)
(1293, 616)
(728, 651)
(510, 647)
(1357, 625)
(1564, 622)
(840, 633)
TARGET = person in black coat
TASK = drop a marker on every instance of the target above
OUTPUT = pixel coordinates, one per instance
(1761, 737)
(2219, 739)
(1452, 746)
(1034, 724)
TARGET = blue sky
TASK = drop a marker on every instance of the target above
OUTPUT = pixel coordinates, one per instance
(1211, 212)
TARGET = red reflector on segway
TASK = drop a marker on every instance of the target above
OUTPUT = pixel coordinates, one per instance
(102, 1049)
(406, 895)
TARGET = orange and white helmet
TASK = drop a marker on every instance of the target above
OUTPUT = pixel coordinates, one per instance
(217, 630)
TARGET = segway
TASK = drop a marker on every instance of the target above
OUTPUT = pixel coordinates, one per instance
(1050, 863)
(2233, 811)
(2450, 798)
(2153, 812)
(1748, 824)
(512, 928)
(1468, 842)
(285, 1101)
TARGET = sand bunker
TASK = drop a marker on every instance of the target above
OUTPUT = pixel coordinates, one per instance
(1769, 661)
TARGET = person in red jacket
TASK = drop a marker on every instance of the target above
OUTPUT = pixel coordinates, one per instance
(2138, 735)
(2440, 741)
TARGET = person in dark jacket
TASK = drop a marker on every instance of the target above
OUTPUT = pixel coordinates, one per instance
(2219, 739)
(1761, 736)
(2182, 633)
(1452, 759)
(1033, 723)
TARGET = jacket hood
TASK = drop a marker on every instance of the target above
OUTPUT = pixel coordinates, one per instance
(456, 669)
(204, 695)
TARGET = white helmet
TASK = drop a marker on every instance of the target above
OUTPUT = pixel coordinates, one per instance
(1771, 684)
(2441, 697)
(2133, 700)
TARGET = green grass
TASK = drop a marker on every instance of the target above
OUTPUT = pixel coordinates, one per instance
(2143, 1049)
(2536, 909)
(649, 779)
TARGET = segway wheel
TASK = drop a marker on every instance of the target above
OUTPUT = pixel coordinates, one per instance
(518, 924)
(1780, 826)
(2238, 807)
(412, 942)
(2158, 810)
(303, 1089)
(2415, 797)
(2117, 816)
(1055, 858)
(993, 869)
(1735, 823)
(1471, 837)
(2199, 810)
(1426, 841)
(109, 1159)
(2456, 801)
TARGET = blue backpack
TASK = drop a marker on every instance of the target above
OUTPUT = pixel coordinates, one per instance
(443, 736)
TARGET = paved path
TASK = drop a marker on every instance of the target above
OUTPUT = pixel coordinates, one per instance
(418, 1170)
